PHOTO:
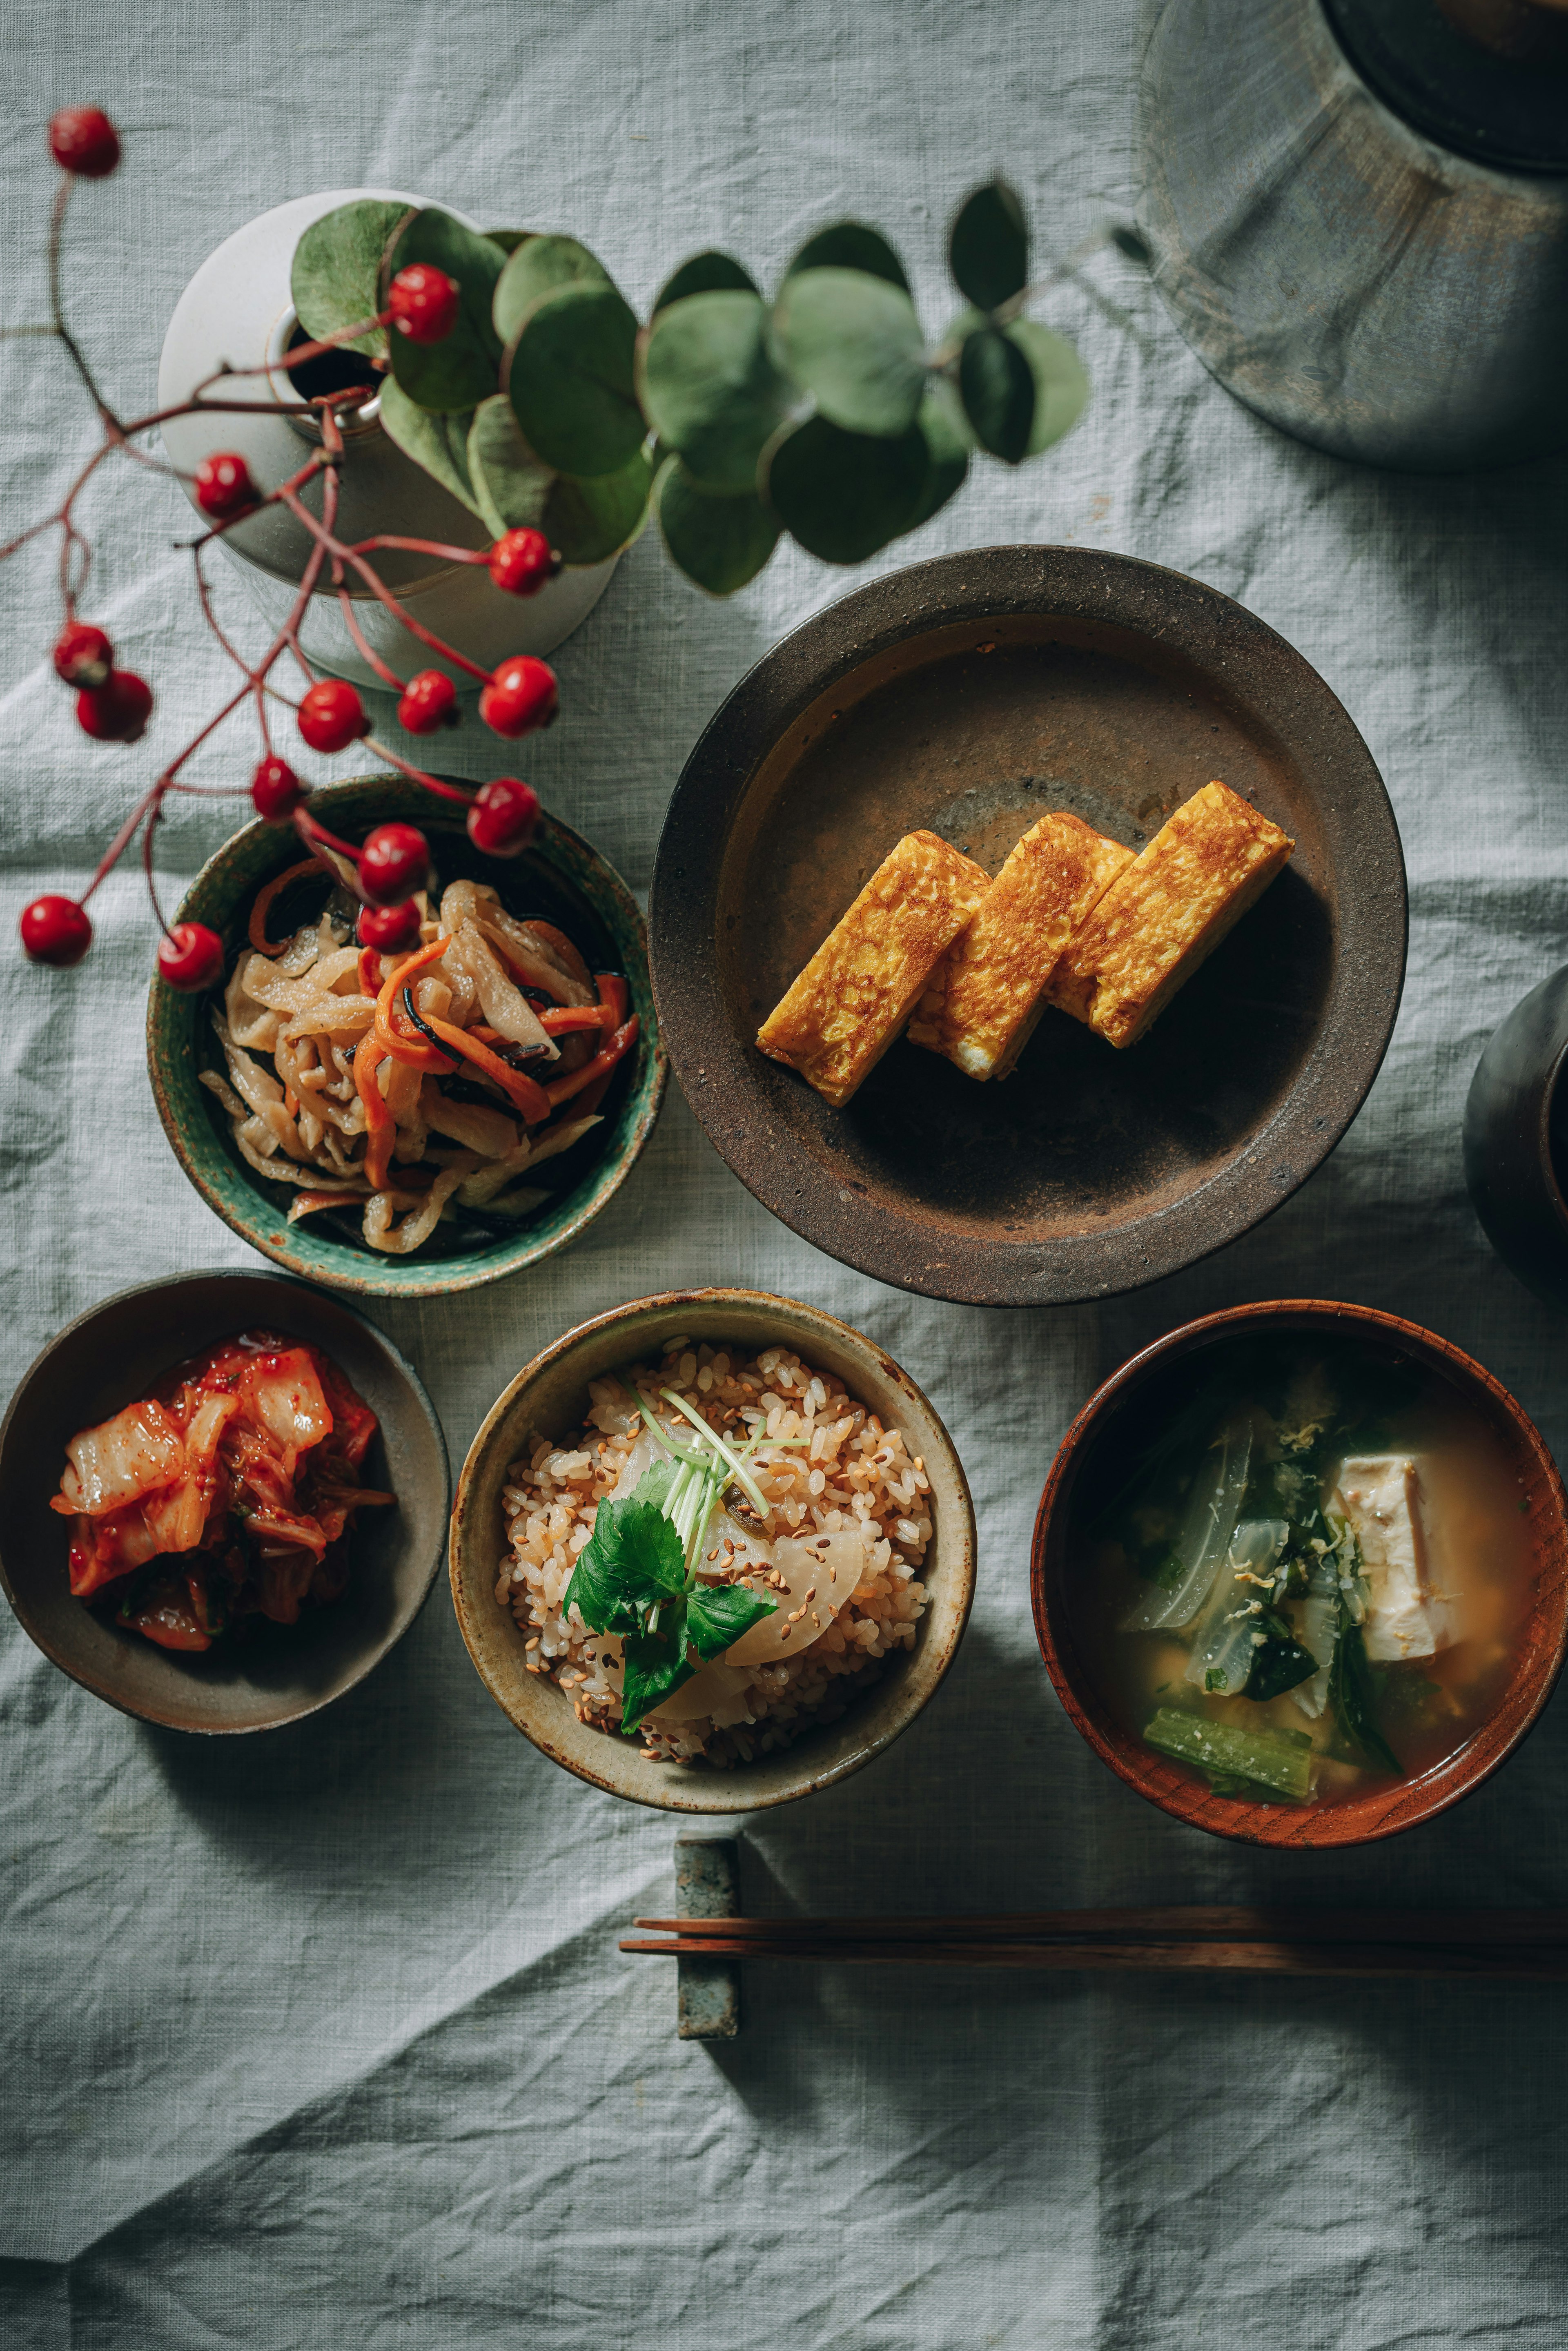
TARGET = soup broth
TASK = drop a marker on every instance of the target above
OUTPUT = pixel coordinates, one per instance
(1301, 1569)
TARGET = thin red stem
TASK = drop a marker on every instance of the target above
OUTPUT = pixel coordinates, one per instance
(388, 676)
(430, 783)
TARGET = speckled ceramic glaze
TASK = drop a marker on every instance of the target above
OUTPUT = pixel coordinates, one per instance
(1385, 1811)
(550, 1396)
(560, 876)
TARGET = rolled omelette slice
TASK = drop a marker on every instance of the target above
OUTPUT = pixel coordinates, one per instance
(838, 1020)
(1168, 910)
(986, 996)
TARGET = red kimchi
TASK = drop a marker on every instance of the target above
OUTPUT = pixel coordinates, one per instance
(227, 1493)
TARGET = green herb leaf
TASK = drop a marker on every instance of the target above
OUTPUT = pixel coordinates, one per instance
(844, 495)
(462, 369)
(655, 1667)
(854, 342)
(719, 538)
(849, 245)
(1061, 385)
(705, 273)
(997, 386)
(719, 1614)
(988, 249)
(337, 272)
(1352, 1695)
(631, 1562)
(571, 380)
(710, 388)
(437, 442)
(653, 1486)
(539, 266)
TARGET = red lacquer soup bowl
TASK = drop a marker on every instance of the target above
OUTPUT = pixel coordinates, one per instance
(1122, 1409)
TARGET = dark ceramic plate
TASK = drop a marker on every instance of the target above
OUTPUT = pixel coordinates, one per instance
(103, 1360)
(968, 695)
(560, 878)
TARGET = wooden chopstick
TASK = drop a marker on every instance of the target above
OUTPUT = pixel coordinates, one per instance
(1530, 1945)
(1229, 1922)
(1541, 1963)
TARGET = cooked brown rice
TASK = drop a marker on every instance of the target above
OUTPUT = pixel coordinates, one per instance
(852, 1472)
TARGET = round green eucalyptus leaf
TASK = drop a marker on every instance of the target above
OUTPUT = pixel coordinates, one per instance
(709, 387)
(705, 273)
(508, 239)
(337, 273)
(589, 520)
(998, 387)
(511, 488)
(988, 247)
(948, 441)
(571, 380)
(539, 266)
(720, 540)
(854, 342)
(1061, 385)
(845, 494)
(437, 440)
(850, 244)
(464, 368)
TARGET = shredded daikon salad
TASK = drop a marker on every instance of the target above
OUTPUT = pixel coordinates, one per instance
(420, 1087)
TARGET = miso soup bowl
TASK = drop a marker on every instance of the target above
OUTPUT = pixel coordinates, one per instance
(548, 1398)
(1387, 1810)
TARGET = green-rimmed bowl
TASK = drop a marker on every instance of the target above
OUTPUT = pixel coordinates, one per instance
(560, 878)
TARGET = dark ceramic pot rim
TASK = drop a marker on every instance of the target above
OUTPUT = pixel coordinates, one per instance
(882, 1235)
(1291, 1827)
(218, 895)
(826, 1753)
(376, 1651)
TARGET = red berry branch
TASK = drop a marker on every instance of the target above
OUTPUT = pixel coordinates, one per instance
(113, 704)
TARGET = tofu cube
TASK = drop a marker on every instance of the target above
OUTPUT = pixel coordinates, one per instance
(1166, 912)
(1380, 1494)
(986, 996)
(840, 1017)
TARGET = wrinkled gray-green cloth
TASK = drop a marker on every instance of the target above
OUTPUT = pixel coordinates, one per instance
(322, 2039)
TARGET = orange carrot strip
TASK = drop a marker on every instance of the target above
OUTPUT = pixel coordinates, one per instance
(379, 1127)
(369, 972)
(603, 1061)
(575, 1016)
(418, 1056)
(524, 1093)
(613, 995)
(265, 896)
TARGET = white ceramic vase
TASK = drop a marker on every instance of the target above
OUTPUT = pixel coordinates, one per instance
(237, 311)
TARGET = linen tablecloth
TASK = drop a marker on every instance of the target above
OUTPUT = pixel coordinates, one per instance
(321, 2038)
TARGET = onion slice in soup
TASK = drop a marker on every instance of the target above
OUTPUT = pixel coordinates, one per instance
(1207, 1530)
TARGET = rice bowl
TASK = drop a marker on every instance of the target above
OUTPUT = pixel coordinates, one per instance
(829, 1469)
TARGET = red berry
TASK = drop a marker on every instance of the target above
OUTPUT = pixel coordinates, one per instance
(389, 929)
(502, 820)
(57, 931)
(275, 792)
(83, 655)
(189, 958)
(522, 562)
(224, 486)
(394, 863)
(424, 303)
(83, 139)
(332, 715)
(429, 701)
(117, 710)
(521, 696)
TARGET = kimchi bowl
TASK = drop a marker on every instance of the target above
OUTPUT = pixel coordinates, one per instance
(280, 1659)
